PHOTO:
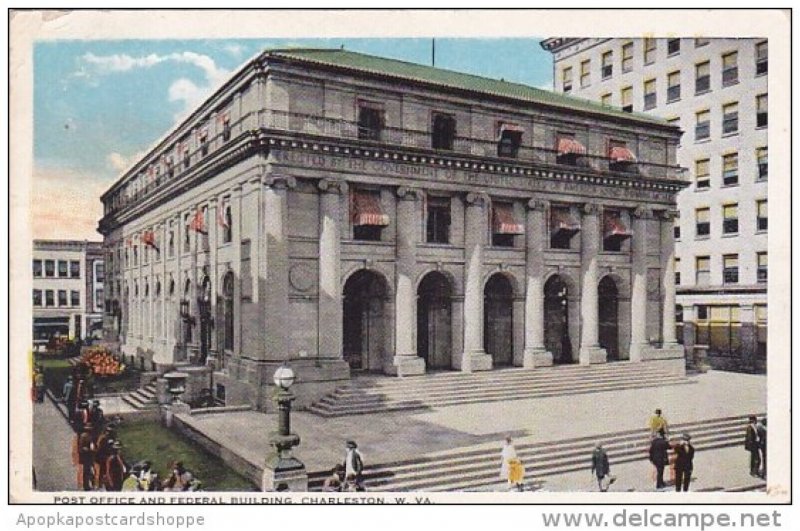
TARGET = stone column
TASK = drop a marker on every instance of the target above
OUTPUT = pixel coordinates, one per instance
(639, 342)
(275, 270)
(476, 228)
(236, 236)
(406, 362)
(535, 354)
(668, 277)
(213, 275)
(330, 290)
(590, 351)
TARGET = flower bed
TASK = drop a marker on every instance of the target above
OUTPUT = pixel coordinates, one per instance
(101, 362)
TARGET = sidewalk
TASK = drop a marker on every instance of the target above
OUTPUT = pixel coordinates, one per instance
(52, 449)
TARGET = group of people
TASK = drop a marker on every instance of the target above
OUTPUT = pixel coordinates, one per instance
(755, 442)
(347, 476)
(681, 460)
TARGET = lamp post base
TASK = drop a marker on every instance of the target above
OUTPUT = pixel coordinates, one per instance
(284, 474)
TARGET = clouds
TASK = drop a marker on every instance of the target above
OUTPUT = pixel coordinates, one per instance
(66, 203)
(119, 162)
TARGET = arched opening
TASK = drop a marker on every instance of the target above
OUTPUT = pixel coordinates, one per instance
(204, 309)
(498, 320)
(556, 320)
(434, 321)
(608, 317)
(364, 321)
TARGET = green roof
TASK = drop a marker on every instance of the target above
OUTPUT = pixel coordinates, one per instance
(456, 80)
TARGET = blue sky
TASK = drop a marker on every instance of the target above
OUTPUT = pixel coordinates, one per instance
(100, 104)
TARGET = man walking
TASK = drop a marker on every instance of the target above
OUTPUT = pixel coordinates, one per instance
(601, 468)
(684, 458)
(86, 450)
(659, 456)
(353, 462)
(658, 423)
(761, 429)
(751, 444)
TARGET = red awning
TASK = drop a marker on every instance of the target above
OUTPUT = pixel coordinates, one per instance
(366, 209)
(562, 221)
(621, 154)
(614, 227)
(570, 146)
(503, 221)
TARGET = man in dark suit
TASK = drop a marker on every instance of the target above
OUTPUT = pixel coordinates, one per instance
(684, 457)
(751, 444)
(659, 456)
(761, 428)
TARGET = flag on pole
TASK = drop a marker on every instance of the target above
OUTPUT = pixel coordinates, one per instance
(198, 223)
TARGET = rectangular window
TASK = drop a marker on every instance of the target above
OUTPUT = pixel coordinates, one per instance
(676, 228)
(761, 58)
(762, 159)
(62, 297)
(761, 213)
(566, 79)
(37, 268)
(649, 50)
(730, 69)
(37, 297)
(170, 164)
(62, 268)
(367, 215)
(187, 233)
(702, 270)
(226, 127)
(438, 219)
(608, 66)
(702, 77)
(74, 298)
(510, 141)
(370, 123)
(730, 169)
(443, 131)
(761, 110)
(673, 86)
(673, 46)
(702, 127)
(677, 271)
(702, 222)
(586, 73)
(49, 299)
(49, 268)
(626, 98)
(227, 222)
(761, 272)
(186, 156)
(605, 99)
(730, 269)
(74, 269)
(700, 42)
(730, 219)
(627, 57)
(702, 175)
(504, 226)
(649, 94)
(730, 118)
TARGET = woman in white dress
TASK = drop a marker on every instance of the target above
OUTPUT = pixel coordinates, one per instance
(508, 453)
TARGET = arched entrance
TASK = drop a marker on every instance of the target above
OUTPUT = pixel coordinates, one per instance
(498, 320)
(434, 321)
(364, 321)
(556, 320)
(608, 317)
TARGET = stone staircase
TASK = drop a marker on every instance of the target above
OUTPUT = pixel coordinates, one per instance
(475, 467)
(143, 398)
(375, 394)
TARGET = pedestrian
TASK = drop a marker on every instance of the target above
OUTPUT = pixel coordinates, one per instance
(97, 416)
(333, 483)
(352, 484)
(353, 462)
(684, 457)
(103, 446)
(86, 450)
(658, 423)
(507, 454)
(38, 385)
(179, 480)
(66, 394)
(751, 444)
(115, 468)
(659, 456)
(131, 483)
(601, 468)
(761, 428)
(82, 416)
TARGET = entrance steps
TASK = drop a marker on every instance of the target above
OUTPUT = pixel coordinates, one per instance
(143, 398)
(478, 466)
(375, 394)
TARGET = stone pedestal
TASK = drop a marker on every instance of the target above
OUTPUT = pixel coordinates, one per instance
(284, 475)
(407, 366)
(168, 412)
(532, 358)
(592, 355)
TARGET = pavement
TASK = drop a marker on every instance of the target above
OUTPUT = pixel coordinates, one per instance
(52, 449)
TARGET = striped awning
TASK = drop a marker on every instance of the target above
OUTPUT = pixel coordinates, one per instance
(614, 227)
(366, 210)
(570, 146)
(562, 221)
(503, 221)
(621, 154)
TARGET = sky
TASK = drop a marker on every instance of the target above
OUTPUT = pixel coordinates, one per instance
(99, 105)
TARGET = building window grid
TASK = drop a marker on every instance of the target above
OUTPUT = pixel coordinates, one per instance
(49, 298)
(730, 219)
(605, 99)
(676, 228)
(730, 118)
(443, 131)
(700, 42)
(702, 222)
(730, 169)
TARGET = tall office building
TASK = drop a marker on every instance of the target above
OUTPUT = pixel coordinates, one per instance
(716, 91)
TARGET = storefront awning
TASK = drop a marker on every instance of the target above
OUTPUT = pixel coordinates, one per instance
(366, 210)
(614, 227)
(621, 154)
(562, 221)
(503, 221)
(570, 146)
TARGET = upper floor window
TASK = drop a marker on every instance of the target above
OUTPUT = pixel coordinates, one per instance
(605, 99)
(370, 122)
(761, 213)
(564, 224)
(49, 268)
(676, 228)
(761, 110)
(171, 240)
(762, 160)
(730, 69)
(62, 268)
(225, 119)
(566, 79)
(702, 128)
(170, 164)
(673, 86)
(504, 225)
(761, 272)
(74, 268)
(699, 42)
(187, 233)
(568, 149)
(730, 219)
(62, 297)
(437, 223)
(702, 267)
(202, 138)
(49, 298)
(37, 268)
(730, 169)
(761, 58)
(627, 57)
(37, 297)
(730, 118)
(621, 158)
(227, 222)
(649, 94)
(443, 131)
(367, 215)
(673, 46)
(702, 77)
(677, 270)
(626, 99)
(702, 221)
(649, 50)
(586, 73)
(615, 230)
(730, 269)
(74, 298)
(702, 174)
(607, 64)
(510, 140)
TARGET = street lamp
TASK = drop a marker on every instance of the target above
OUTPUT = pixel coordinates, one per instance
(282, 470)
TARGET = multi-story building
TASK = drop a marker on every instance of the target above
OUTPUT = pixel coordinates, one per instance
(715, 90)
(345, 212)
(67, 289)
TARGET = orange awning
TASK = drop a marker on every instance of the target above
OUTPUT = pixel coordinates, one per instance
(614, 227)
(503, 221)
(621, 154)
(562, 221)
(570, 146)
(366, 209)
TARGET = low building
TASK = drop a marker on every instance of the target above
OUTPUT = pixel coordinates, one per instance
(347, 213)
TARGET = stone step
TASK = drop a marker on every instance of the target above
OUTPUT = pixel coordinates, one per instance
(142, 398)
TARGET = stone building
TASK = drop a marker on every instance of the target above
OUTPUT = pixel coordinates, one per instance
(716, 91)
(353, 213)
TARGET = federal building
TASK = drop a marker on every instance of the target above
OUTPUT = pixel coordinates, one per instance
(347, 213)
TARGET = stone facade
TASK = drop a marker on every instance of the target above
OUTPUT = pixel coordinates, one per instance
(282, 222)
